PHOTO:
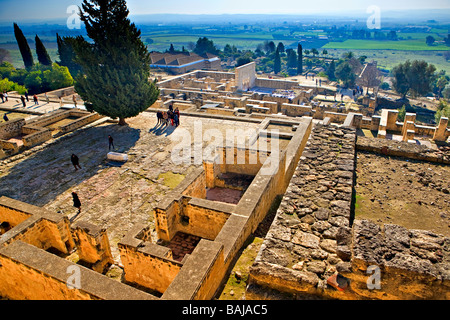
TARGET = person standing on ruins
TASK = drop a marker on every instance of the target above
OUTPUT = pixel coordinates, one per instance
(111, 142)
(75, 161)
(159, 115)
(35, 98)
(166, 118)
(177, 117)
(23, 101)
(76, 202)
(74, 101)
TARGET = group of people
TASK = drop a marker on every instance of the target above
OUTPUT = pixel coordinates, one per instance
(35, 99)
(172, 116)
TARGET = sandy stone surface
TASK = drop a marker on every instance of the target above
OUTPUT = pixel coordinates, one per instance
(113, 196)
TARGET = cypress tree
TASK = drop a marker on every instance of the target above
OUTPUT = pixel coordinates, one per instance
(116, 65)
(24, 48)
(277, 62)
(300, 59)
(67, 55)
(42, 53)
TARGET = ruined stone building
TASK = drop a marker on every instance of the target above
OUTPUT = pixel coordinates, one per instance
(182, 245)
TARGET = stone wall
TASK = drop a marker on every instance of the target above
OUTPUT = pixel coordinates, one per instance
(147, 264)
(11, 128)
(403, 149)
(413, 264)
(299, 252)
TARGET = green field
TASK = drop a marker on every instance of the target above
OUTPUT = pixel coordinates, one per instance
(403, 45)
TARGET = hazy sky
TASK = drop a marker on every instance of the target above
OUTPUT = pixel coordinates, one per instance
(16, 10)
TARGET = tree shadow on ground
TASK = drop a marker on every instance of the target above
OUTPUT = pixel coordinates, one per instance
(43, 176)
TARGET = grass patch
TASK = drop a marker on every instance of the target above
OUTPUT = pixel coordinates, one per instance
(404, 45)
(171, 180)
(234, 288)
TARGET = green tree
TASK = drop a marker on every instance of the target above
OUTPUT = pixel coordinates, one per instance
(430, 40)
(280, 47)
(116, 64)
(58, 77)
(243, 60)
(416, 77)
(34, 81)
(441, 84)
(205, 46)
(277, 62)
(331, 71)
(345, 73)
(41, 52)
(401, 113)
(300, 59)
(400, 79)
(314, 52)
(443, 111)
(24, 48)
(67, 54)
(421, 77)
(291, 59)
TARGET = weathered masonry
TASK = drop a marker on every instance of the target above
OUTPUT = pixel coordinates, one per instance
(315, 249)
(35, 242)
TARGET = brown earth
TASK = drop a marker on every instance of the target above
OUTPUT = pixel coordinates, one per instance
(410, 193)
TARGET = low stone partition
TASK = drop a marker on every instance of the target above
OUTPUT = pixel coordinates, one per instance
(403, 149)
(12, 128)
(76, 124)
(409, 264)
(92, 246)
(299, 252)
(31, 251)
(45, 276)
(295, 110)
(147, 264)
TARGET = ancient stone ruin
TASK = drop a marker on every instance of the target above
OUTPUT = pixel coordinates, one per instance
(181, 242)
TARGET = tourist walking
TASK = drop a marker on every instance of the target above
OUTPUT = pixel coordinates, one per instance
(75, 161)
(2, 97)
(159, 115)
(170, 114)
(23, 101)
(6, 96)
(177, 117)
(46, 98)
(35, 98)
(26, 97)
(111, 142)
(76, 202)
(166, 118)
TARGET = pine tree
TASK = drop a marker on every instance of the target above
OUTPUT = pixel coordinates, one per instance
(42, 53)
(116, 65)
(277, 62)
(67, 55)
(300, 59)
(24, 48)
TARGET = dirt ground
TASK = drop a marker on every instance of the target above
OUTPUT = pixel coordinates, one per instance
(401, 191)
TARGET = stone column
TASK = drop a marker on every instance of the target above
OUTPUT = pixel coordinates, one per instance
(440, 132)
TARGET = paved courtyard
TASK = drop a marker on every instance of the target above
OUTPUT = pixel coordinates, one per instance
(113, 196)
